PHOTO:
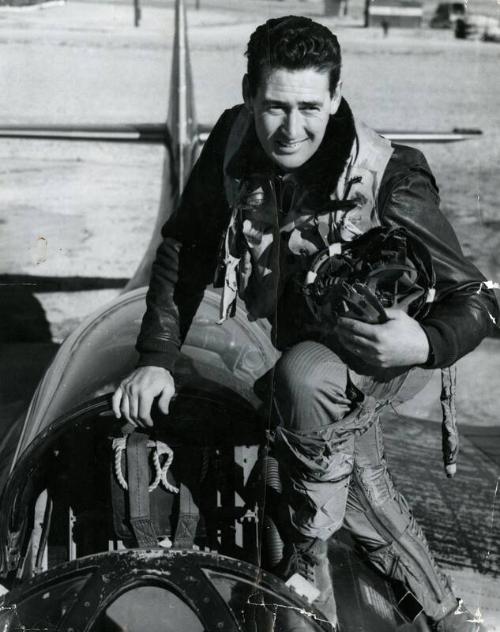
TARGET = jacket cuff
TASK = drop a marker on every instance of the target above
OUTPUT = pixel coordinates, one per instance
(442, 344)
(165, 359)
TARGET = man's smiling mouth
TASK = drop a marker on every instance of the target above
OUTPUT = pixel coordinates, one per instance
(287, 144)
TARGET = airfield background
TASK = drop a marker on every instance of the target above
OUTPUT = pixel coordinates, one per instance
(75, 218)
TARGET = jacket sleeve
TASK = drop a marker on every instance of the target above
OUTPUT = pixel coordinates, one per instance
(464, 311)
(187, 257)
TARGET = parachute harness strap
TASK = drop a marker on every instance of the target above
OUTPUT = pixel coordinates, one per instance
(159, 449)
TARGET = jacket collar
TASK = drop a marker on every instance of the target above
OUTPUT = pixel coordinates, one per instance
(321, 171)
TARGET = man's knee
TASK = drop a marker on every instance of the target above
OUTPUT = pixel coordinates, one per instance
(310, 387)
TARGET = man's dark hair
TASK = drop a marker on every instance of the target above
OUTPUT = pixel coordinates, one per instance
(294, 43)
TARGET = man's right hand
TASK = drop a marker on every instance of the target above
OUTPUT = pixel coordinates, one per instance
(134, 397)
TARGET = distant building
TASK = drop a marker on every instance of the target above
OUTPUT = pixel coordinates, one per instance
(335, 7)
(27, 3)
(403, 13)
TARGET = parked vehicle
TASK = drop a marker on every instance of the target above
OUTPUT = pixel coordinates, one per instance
(446, 15)
(474, 26)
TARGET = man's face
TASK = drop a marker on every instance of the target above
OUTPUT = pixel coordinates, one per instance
(291, 111)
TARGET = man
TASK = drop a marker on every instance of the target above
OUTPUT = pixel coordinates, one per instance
(281, 178)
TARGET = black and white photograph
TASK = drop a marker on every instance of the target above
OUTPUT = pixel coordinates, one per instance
(249, 307)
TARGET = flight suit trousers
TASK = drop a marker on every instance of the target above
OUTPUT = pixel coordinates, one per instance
(329, 445)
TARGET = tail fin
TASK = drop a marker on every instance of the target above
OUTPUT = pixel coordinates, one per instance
(181, 121)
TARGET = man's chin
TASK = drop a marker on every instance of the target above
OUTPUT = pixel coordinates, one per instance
(289, 162)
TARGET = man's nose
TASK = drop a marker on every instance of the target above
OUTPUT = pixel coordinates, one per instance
(292, 123)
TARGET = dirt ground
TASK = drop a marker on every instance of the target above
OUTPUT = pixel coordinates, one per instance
(88, 209)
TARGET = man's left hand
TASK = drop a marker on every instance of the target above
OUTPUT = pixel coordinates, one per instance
(398, 342)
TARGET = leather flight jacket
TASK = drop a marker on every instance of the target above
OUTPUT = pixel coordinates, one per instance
(403, 194)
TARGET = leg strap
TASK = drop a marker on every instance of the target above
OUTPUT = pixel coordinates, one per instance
(190, 468)
(138, 492)
(189, 517)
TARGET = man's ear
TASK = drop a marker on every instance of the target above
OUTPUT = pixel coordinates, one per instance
(245, 87)
(336, 98)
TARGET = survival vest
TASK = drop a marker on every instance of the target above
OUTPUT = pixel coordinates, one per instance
(260, 223)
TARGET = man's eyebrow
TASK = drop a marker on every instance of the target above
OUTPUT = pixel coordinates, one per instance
(313, 103)
(273, 102)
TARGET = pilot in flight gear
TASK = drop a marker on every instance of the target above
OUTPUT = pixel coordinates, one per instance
(286, 176)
